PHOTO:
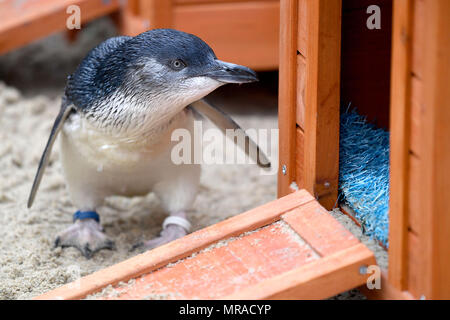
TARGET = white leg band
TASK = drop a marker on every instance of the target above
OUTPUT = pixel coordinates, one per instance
(179, 221)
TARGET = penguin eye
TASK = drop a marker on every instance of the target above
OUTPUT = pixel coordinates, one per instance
(177, 64)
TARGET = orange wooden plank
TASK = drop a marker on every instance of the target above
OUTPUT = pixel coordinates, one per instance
(245, 33)
(287, 94)
(415, 266)
(302, 27)
(322, 100)
(435, 152)
(319, 229)
(399, 141)
(299, 159)
(414, 196)
(301, 84)
(418, 40)
(26, 21)
(181, 248)
(224, 268)
(417, 106)
(319, 279)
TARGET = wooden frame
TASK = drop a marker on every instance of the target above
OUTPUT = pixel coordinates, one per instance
(399, 140)
(322, 103)
(287, 96)
(419, 117)
(245, 32)
(313, 131)
(420, 144)
(252, 26)
(435, 142)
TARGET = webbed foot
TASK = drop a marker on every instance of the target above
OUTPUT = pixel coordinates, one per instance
(174, 227)
(86, 235)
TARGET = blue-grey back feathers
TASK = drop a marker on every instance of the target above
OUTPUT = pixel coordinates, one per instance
(99, 74)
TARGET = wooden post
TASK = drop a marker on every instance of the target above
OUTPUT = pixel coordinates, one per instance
(287, 95)
(399, 136)
(435, 156)
(321, 151)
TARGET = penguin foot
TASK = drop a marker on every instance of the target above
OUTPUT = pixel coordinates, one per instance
(85, 235)
(169, 233)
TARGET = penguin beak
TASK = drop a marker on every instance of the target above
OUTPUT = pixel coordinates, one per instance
(231, 73)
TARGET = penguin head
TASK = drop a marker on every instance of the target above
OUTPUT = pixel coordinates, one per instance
(156, 73)
(179, 66)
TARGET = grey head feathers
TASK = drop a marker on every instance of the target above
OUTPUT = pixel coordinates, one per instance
(129, 64)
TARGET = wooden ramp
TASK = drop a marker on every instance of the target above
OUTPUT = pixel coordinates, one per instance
(290, 248)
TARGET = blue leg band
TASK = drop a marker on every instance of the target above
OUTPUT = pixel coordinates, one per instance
(81, 215)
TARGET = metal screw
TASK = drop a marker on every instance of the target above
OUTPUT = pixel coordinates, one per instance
(284, 169)
(326, 184)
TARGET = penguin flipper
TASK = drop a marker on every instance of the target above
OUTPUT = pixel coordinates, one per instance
(66, 108)
(224, 122)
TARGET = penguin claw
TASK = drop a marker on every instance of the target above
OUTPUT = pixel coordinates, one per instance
(136, 246)
(170, 233)
(85, 235)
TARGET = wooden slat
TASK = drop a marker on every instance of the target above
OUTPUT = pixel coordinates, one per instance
(301, 84)
(322, 278)
(320, 230)
(417, 107)
(25, 21)
(300, 158)
(414, 196)
(322, 100)
(435, 150)
(181, 248)
(287, 95)
(418, 37)
(226, 268)
(302, 27)
(415, 266)
(245, 33)
(399, 140)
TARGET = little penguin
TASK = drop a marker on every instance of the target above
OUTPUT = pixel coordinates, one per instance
(118, 112)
